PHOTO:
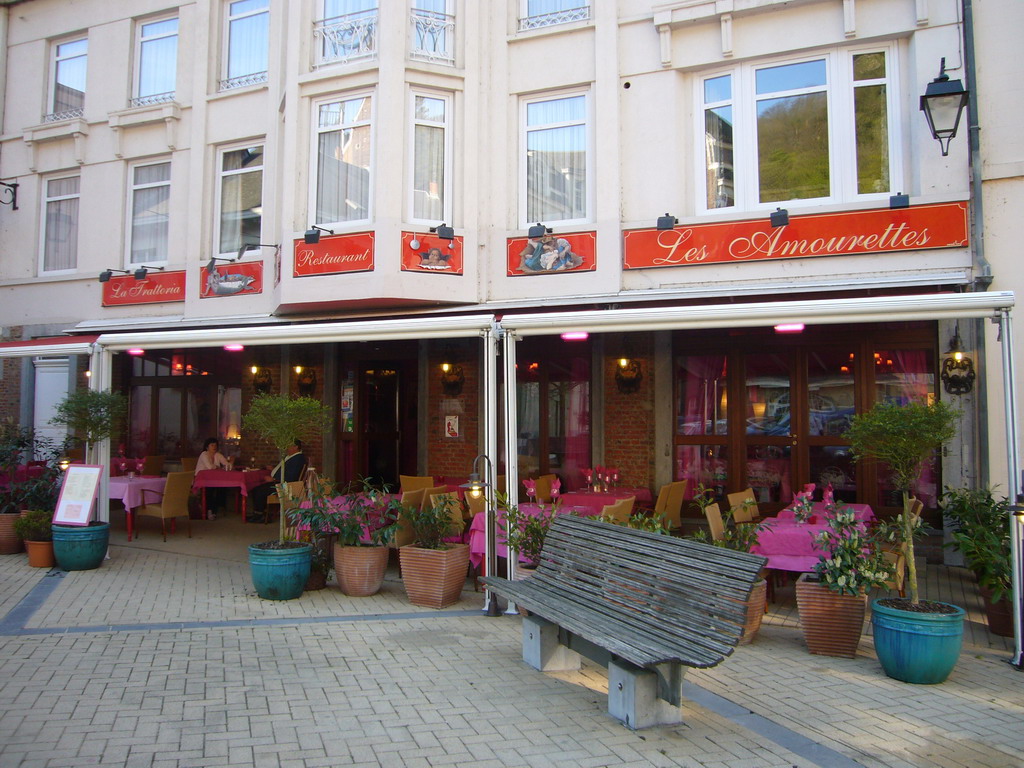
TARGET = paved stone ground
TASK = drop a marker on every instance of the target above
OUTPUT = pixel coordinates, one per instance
(160, 659)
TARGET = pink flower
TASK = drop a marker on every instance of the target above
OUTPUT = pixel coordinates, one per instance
(556, 488)
(588, 474)
(531, 487)
(809, 488)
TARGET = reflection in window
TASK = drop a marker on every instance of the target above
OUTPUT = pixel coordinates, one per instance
(60, 245)
(151, 192)
(241, 198)
(705, 465)
(343, 161)
(718, 141)
(871, 114)
(158, 62)
(834, 465)
(768, 400)
(556, 159)
(701, 400)
(69, 67)
(429, 156)
(768, 473)
(830, 391)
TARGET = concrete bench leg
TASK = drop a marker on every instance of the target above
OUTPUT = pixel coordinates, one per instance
(541, 649)
(633, 697)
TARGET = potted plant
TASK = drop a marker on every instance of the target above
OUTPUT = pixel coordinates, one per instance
(27, 486)
(525, 533)
(916, 641)
(365, 522)
(281, 568)
(980, 532)
(831, 602)
(433, 569)
(34, 528)
(91, 415)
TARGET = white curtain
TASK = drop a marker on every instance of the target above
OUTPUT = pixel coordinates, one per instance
(556, 159)
(60, 250)
(428, 173)
(158, 57)
(248, 39)
(150, 214)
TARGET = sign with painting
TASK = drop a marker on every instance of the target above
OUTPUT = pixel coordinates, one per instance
(77, 493)
(429, 253)
(942, 225)
(156, 288)
(334, 254)
(234, 279)
(552, 254)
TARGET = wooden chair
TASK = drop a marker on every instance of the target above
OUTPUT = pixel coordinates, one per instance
(895, 557)
(451, 501)
(414, 482)
(296, 493)
(188, 463)
(714, 517)
(620, 511)
(154, 465)
(174, 503)
(544, 488)
(411, 500)
(669, 505)
(475, 505)
(743, 506)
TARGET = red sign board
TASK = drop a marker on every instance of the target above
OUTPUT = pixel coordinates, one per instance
(236, 279)
(334, 254)
(431, 254)
(156, 288)
(552, 254)
(943, 225)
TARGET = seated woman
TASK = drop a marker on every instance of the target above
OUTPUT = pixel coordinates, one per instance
(212, 458)
(287, 471)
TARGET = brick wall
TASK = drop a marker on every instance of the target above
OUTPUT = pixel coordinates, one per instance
(629, 418)
(447, 455)
(10, 383)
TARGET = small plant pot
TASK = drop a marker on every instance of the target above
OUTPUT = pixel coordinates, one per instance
(832, 623)
(434, 578)
(40, 554)
(280, 574)
(10, 544)
(80, 548)
(998, 614)
(360, 570)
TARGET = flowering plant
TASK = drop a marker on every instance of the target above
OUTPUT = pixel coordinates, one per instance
(802, 506)
(524, 532)
(531, 488)
(851, 562)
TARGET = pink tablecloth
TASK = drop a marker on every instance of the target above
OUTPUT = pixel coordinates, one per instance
(476, 536)
(597, 501)
(134, 492)
(862, 512)
(22, 472)
(243, 480)
(789, 545)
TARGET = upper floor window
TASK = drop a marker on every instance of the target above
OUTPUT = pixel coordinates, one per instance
(433, 31)
(781, 132)
(430, 158)
(245, 62)
(544, 13)
(347, 31)
(157, 57)
(343, 160)
(556, 163)
(60, 224)
(148, 226)
(240, 203)
(67, 98)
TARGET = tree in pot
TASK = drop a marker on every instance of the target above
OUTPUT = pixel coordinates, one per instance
(365, 522)
(34, 526)
(280, 568)
(916, 641)
(980, 532)
(435, 565)
(91, 415)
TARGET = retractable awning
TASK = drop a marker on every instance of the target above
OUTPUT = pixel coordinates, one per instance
(50, 345)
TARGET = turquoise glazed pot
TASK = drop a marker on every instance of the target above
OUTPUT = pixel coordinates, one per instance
(80, 548)
(280, 574)
(916, 647)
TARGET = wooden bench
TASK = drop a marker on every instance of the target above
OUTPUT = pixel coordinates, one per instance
(643, 604)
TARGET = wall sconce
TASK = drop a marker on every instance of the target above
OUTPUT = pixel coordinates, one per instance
(452, 379)
(943, 104)
(899, 200)
(252, 247)
(628, 375)
(957, 368)
(538, 230)
(443, 231)
(261, 380)
(305, 380)
(11, 193)
(106, 274)
(140, 273)
(667, 222)
(779, 217)
(312, 235)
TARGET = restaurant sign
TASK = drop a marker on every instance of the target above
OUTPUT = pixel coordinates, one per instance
(235, 279)
(429, 253)
(552, 254)
(942, 225)
(156, 288)
(334, 254)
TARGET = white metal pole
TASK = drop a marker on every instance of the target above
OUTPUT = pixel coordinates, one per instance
(490, 385)
(1016, 521)
(511, 442)
(101, 364)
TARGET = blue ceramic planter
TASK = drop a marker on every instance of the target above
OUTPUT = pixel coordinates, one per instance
(915, 647)
(80, 548)
(280, 574)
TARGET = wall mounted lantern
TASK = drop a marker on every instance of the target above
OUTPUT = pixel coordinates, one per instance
(957, 367)
(943, 105)
(628, 375)
(261, 380)
(452, 379)
(312, 235)
(305, 380)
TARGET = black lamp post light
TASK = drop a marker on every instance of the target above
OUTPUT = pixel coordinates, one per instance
(943, 105)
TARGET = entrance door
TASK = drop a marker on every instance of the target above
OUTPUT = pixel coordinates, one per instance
(379, 383)
(769, 418)
(51, 387)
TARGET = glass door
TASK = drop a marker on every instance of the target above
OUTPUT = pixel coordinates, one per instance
(768, 426)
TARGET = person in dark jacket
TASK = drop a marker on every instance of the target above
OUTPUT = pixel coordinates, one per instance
(290, 468)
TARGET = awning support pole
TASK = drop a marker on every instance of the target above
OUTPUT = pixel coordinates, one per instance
(490, 385)
(1016, 519)
(511, 443)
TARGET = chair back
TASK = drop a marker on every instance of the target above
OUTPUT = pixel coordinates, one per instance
(896, 559)
(414, 482)
(153, 465)
(620, 511)
(176, 493)
(743, 506)
(544, 488)
(411, 500)
(670, 503)
(188, 463)
(714, 517)
(435, 491)
(454, 507)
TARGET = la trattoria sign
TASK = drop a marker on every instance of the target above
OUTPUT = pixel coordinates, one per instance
(942, 225)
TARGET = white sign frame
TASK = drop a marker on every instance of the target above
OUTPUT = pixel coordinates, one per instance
(78, 494)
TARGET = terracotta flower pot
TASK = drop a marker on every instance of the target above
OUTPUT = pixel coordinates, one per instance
(832, 623)
(10, 544)
(360, 570)
(434, 578)
(755, 611)
(999, 614)
(40, 554)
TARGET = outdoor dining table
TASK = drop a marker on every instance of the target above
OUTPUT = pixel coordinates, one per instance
(476, 535)
(598, 500)
(790, 546)
(244, 480)
(134, 492)
(23, 472)
(120, 465)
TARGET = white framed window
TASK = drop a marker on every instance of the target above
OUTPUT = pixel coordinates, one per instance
(239, 198)
(545, 13)
(430, 157)
(555, 167)
(156, 56)
(60, 224)
(433, 31)
(149, 217)
(782, 131)
(67, 88)
(347, 31)
(247, 38)
(344, 159)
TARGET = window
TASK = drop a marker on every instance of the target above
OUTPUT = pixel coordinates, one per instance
(782, 132)
(433, 31)
(69, 64)
(343, 160)
(556, 188)
(248, 24)
(430, 157)
(157, 58)
(347, 31)
(544, 13)
(240, 204)
(150, 201)
(60, 224)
